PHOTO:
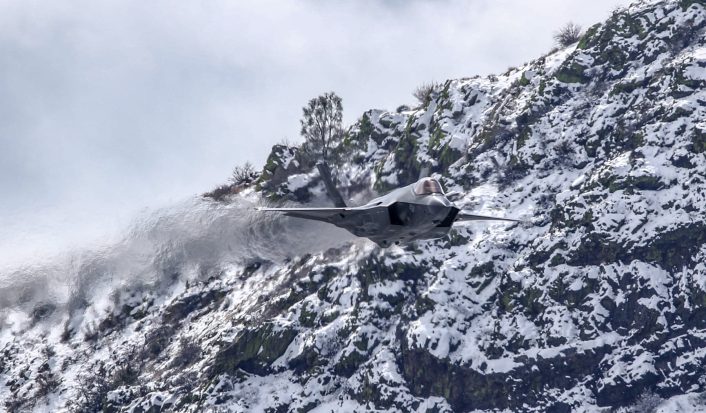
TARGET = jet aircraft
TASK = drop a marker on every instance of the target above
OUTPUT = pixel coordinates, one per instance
(413, 212)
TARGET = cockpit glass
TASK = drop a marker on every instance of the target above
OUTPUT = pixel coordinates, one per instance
(427, 187)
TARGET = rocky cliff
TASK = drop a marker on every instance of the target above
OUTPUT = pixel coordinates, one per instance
(596, 303)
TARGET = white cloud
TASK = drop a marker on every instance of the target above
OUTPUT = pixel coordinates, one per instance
(108, 107)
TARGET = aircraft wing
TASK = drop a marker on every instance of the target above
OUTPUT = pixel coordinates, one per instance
(465, 216)
(317, 214)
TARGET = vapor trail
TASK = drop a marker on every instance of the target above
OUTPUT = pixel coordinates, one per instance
(192, 240)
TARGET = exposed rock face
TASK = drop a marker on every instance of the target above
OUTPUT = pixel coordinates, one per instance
(598, 302)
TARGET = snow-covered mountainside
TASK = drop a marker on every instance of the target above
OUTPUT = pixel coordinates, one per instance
(596, 303)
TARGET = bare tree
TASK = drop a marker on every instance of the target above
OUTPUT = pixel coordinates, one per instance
(189, 351)
(423, 92)
(322, 125)
(243, 175)
(93, 387)
(568, 34)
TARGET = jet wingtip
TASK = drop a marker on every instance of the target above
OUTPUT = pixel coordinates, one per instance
(467, 216)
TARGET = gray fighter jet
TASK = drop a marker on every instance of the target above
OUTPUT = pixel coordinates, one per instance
(413, 212)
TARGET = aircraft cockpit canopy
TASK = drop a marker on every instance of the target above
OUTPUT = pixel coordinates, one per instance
(428, 186)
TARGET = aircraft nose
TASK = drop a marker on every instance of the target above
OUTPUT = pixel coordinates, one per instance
(440, 200)
(439, 208)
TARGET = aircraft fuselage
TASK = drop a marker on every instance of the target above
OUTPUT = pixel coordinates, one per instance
(405, 217)
(414, 212)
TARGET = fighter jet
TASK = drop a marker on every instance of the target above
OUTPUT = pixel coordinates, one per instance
(413, 212)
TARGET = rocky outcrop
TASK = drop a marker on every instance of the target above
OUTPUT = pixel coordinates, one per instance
(596, 302)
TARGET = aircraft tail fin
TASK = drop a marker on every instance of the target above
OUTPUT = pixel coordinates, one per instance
(333, 193)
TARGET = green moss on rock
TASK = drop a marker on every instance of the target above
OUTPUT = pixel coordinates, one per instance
(573, 73)
(253, 350)
(587, 40)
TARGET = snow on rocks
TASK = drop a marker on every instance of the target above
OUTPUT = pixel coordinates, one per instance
(596, 301)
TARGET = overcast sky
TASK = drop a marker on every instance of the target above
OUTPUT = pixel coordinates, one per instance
(109, 108)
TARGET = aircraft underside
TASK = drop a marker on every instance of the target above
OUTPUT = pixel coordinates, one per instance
(399, 223)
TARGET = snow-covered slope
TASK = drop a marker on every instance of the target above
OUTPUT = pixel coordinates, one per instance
(597, 302)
